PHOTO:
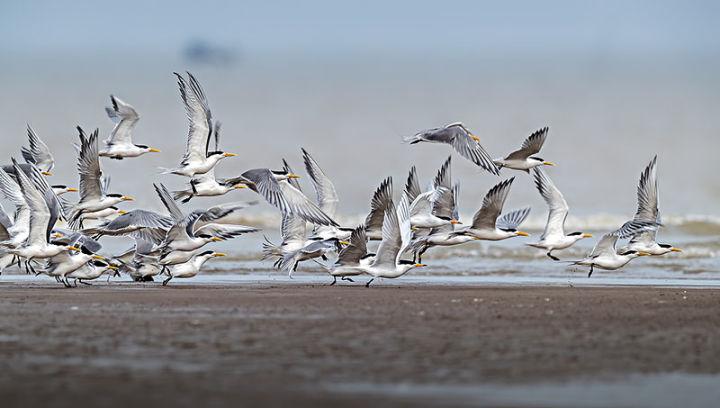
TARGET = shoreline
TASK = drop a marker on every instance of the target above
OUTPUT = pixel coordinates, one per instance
(308, 345)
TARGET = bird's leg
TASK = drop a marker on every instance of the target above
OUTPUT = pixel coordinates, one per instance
(85, 283)
(165, 282)
(367, 285)
(75, 282)
(334, 280)
(554, 258)
(591, 270)
(347, 279)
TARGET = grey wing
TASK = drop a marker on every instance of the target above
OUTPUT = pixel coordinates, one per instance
(558, 207)
(169, 203)
(647, 193)
(633, 227)
(512, 220)
(404, 227)
(357, 248)
(423, 203)
(606, 246)
(139, 224)
(105, 184)
(487, 215)
(89, 167)
(293, 228)
(471, 149)
(199, 118)
(381, 200)
(412, 185)
(530, 146)
(38, 153)
(125, 118)
(286, 197)
(327, 197)
(39, 212)
(391, 240)
(224, 231)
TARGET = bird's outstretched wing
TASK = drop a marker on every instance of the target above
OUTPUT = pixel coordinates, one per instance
(125, 118)
(327, 197)
(199, 118)
(530, 146)
(487, 215)
(557, 206)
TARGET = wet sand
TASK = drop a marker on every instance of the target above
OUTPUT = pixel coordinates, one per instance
(312, 345)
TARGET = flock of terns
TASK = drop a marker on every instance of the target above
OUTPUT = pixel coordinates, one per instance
(171, 244)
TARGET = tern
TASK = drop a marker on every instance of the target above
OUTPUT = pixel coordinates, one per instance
(119, 145)
(488, 224)
(38, 153)
(327, 199)
(388, 262)
(198, 158)
(92, 196)
(192, 267)
(604, 255)
(647, 211)
(462, 140)
(523, 158)
(354, 258)
(554, 237)
(60, 189)
(91, 270)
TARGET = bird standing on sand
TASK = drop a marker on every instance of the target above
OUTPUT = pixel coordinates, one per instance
(462, 140)
(119, 145)
(523, 158)
(554, 237)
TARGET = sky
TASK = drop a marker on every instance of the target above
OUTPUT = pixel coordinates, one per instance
(319, 27)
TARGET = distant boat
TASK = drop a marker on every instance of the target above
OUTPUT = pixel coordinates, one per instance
(203, 52)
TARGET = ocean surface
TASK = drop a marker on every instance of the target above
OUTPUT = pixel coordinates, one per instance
(607, 119)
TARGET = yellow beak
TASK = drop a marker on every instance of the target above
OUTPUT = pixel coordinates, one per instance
(72, 189)
(293, 175)
(641, 253)
(153, 150)
(112, 267)
(673, 249)
(122, 212)
(127, 198)
(419, 265)
(229, 154)
(343, 243)
(216, 239)
(547, 163)
(587, 235)
(522, 234)
(98, 257)
(56, 235)
(219, 254)
(475, 138)
(72, 248)
(46, 173)
(239, 186)
(454, 221)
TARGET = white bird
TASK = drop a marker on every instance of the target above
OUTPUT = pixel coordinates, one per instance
(192, 267)
(119, 145)
(38, 153)
(16, 231)
(523, 158)
(388, 262)
(488, 224)
(198, 158)
(353, 259)
(91, 270)
(60, 189)
(92, 196)
(207, 185)
(647, 192)
(37, 245)
(66, 262)
(462, 140)
(554, 237)
(604, 255)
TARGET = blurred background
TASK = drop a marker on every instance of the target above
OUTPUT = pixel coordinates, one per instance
(617, 82)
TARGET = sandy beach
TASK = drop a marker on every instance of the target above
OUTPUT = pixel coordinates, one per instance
(313, 345)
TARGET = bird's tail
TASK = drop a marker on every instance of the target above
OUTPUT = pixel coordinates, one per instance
(165, 170)
(184, 195)
(270, 250)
